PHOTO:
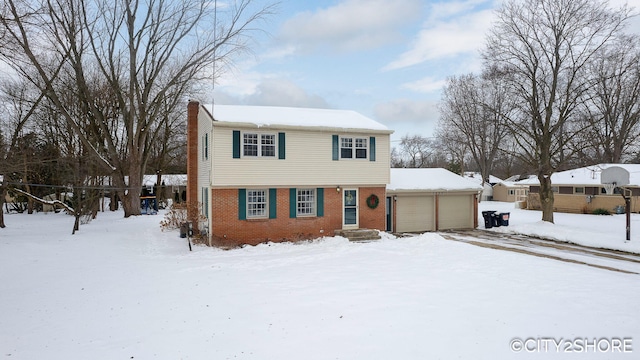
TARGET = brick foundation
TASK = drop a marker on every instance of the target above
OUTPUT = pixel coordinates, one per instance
(228, 230)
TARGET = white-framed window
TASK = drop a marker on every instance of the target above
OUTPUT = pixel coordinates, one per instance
(254, 144)
(361, 148)
(306, 202)
(257, 204)
(512, 192)
(353, 148)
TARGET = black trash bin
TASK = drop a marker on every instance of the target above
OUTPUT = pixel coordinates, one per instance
(497, 222)
(504, 219)
(488, 219)
(184, 228)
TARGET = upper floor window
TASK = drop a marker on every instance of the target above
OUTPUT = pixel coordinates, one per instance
(259, 145)
(353, 148)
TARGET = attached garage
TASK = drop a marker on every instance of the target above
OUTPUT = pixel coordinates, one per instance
(430, 200)
(415, 212)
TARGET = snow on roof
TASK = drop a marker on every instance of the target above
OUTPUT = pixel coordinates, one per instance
(431, 179)
(589, 175)
(474, 176)
(291, 116)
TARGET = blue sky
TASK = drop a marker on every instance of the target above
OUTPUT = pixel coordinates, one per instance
(385, 59)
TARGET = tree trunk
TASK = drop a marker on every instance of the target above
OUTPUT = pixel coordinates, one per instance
(546, 197)
(76, 223)
(3, 195)
(131, 197)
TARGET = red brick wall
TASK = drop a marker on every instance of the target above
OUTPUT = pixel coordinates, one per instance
(372, 218)
(228, 230)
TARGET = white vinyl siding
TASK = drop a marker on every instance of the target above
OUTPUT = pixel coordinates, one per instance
(309, 162)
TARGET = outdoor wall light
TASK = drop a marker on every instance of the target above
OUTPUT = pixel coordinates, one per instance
(338, 188)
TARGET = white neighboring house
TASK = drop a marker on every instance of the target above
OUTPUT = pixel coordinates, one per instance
(431, 199)
(487, 185)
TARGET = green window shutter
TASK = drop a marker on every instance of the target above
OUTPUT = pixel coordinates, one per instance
(281, 146)
(242, 204)
(335, 146)
(372, 148)
(273, 203)
(236, 144)
(206, 146)
(292, 203)
(205, 201)
(320, 204)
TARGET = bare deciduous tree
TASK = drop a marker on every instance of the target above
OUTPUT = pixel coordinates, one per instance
(545, 47)
(415, 151)
(472, 112)
(613, 105)
(146, 55)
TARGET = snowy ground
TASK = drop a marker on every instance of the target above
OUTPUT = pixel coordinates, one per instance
(591, 230)
(122, 289)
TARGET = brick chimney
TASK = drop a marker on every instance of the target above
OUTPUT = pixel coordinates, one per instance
(192, 162)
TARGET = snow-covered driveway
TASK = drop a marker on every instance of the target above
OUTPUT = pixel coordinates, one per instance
(613, 260)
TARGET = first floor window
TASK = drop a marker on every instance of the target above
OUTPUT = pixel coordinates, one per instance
(306, 202)
(256, 203)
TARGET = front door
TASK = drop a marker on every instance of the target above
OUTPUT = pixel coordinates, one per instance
(350, 209)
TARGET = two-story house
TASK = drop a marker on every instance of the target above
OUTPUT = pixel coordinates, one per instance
(281, 174)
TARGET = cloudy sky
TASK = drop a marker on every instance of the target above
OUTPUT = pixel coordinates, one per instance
(385, 59)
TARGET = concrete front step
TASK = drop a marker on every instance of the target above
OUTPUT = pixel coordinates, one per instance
(359, 234)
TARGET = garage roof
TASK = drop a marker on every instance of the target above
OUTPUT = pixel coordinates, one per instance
(429, 179)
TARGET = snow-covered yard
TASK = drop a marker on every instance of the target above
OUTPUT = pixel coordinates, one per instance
(122, 289)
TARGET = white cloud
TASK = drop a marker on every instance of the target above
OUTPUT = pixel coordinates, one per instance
(425, 85)
(350, 25)
(281, 92)
(406, 116)
(405, 110)
(447, 37)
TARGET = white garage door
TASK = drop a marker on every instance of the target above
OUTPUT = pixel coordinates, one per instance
(415, 213)
(455, 212)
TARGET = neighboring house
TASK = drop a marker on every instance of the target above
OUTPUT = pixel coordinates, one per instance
(511, 190)
(487, 185)
(173, 186)
(277, 174)
(581, 190)
(430, 200)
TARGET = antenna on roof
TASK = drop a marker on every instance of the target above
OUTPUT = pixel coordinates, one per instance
(215, 47)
